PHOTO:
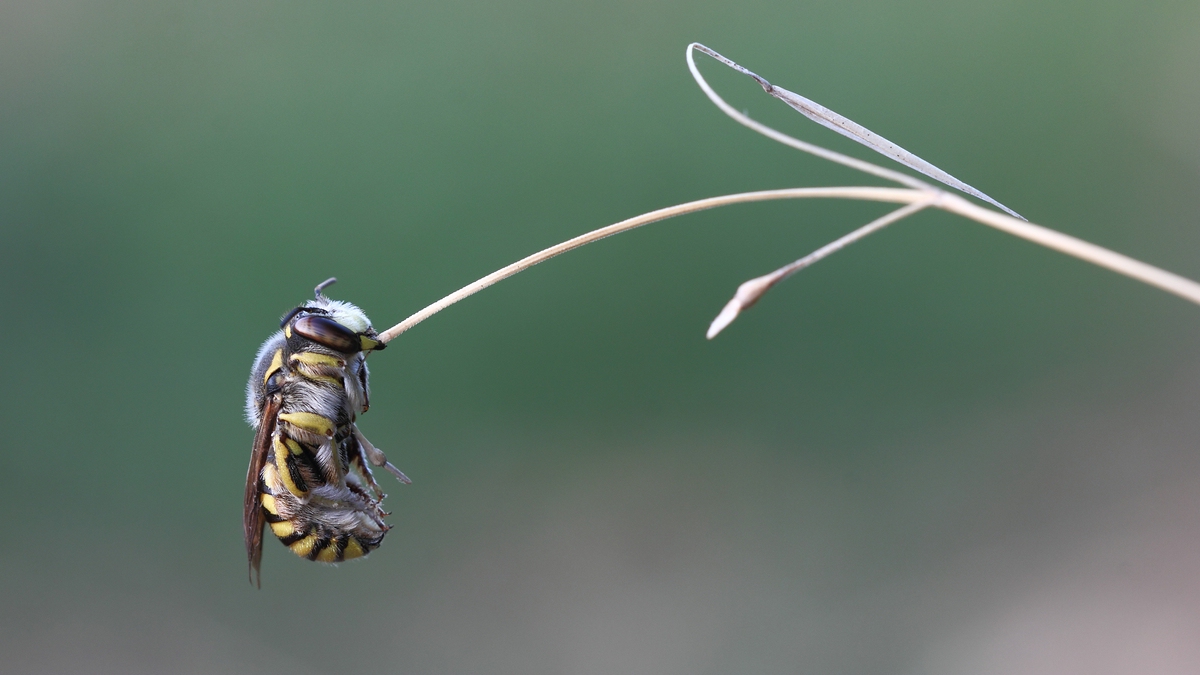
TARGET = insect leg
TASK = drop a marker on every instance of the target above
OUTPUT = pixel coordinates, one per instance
(359, 462)
(376, 456)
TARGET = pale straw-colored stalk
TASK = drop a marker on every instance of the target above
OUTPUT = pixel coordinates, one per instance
(917, 195)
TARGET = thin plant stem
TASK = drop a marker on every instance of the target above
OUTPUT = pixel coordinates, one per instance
(1097, 255)
(918, 195)
(878, 194)
(750, 291)
(831, 120)
(1063, 243)
(779, 136)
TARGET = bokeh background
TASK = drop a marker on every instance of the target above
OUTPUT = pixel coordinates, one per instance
(942, 451)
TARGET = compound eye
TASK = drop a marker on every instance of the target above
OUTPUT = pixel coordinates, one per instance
(302, 308)
(328, 332)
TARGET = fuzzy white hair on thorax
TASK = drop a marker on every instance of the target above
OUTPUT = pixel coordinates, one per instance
(344, 313)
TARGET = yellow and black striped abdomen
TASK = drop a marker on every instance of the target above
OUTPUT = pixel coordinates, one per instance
(315, 531)
(314, 542)
(317, 495)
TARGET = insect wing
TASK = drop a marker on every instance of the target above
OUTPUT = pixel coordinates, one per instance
(252, 515)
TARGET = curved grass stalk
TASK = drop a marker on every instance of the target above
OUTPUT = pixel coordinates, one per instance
(877, 194)
(750, 291)
(831, 120)
(1043, 236)
(917, 195)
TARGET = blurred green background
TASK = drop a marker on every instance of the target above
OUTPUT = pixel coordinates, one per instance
(941, 451)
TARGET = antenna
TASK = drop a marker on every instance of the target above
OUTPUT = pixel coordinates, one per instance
(324, 284)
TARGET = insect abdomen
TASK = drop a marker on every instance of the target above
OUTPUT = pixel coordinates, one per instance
(306, 536)
(314, 503)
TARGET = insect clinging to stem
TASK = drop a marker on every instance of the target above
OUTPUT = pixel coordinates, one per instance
(310, 475)
(310, 467)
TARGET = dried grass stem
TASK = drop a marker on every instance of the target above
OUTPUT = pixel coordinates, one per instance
(918, 195)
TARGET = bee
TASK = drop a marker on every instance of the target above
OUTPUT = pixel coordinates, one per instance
(310, 468)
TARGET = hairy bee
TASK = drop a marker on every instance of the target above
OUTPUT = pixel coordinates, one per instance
(309, 475)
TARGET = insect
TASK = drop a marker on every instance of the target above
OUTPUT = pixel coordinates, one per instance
(310, 468)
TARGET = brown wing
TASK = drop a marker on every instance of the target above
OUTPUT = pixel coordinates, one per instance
(252, 513)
